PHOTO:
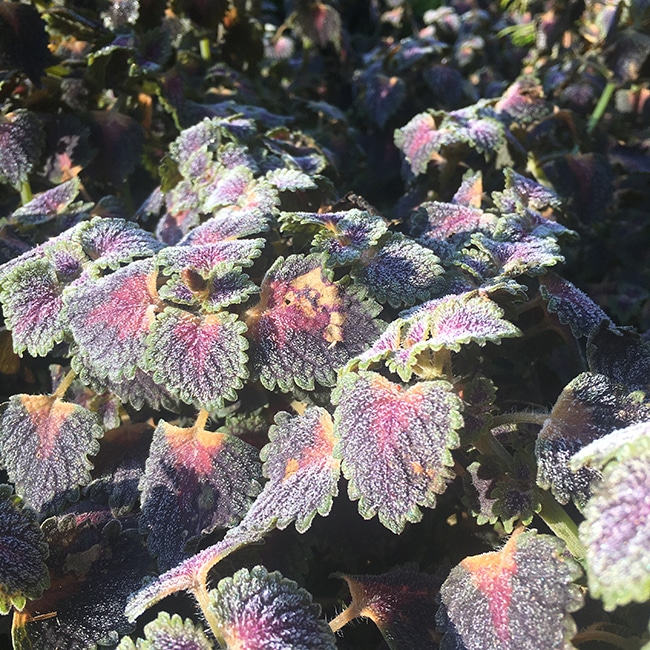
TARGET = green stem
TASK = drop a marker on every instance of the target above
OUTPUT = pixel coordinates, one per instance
(488, 445)
(601, 106)
(557, 519)
(600, 635)
(25, 192)
(520, 417)
(204, 48)
(203, 598)
(62, 388)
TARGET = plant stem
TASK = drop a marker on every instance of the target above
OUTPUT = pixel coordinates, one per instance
(25, 192)
(488, 445)
(600, 635)
(343, 618)
(557, 519)
(62, 388)
(520, 417)
(204, 48)
(203, 598)
(201, 420)
(601, 106)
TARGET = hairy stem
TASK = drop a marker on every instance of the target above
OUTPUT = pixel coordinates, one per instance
(203, 598)
(488, 445)
(601, 106)
(62, 388)
(343, 618)
(557, 519)
(201, 420)
(600, 635)
(25, 192)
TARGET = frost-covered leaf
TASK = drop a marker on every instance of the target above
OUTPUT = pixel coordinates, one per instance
(32, 303)
(202, 258)
(23, 572)
(470, 192)
(572, 306)
(401, 272)
(302, 471)
(110, 319)
(444, 220)
(616, 530)
(228, 223)
(112, 242)
(228, 188)
(529, 192)
(195, 481)
(418, 140)
(400, 603)
(204, 136)
(169, 633)
(398, 436)
(258, 610)
(47, 205)
(517, 598)
(58, 435)
(305, 325)
(20, 145)
(94, 566)
(589, 407)
(290, 180)
(523, 102)
(200, 359)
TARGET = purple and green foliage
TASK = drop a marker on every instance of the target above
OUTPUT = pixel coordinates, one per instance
(350, 236)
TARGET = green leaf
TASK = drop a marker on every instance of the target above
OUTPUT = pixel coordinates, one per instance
(169, 633)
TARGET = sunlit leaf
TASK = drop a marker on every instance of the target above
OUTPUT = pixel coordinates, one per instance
(32, 303)
(20, 145)
(517, 598)
(23, 572)
(302, 471)
(258, 610)
(398, 436)
(305, 325)
(470, 192)
(418, 140)
(199, 359)
(444, 220)
(228, 223)
(523, 102)
(195, 481)
(400, 604)
(110, 320)
(401, 272)
(319, 23)
(572, 306)
(59, 435)
(588, 408)
(47, 205)
(169, 633)
(290, 180)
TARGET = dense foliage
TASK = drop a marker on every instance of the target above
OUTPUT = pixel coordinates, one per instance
(384, 262)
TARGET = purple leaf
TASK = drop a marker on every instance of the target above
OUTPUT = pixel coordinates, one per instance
(47, 205)
(305, 325)
(228, 223)
(20, 145)
(419, 140)
(444, 220)
(169, 633)
(23, 572)
(44, 444)
(302, 471)
(258, 610)
(383, 96)
(200, 359)
(489, 600)
(523, 102)
(195, 481)
(398, 436)
(110, 320)
(470, 192)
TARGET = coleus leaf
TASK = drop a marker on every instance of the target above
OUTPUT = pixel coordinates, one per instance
(588, 408)
(94, 566)
(490, 601)
(401, 272)
(59, 435)
(305, 325)
(398, 436)
(302, 471)
(200, 359)
(523, 102)
(32, 303)
(110, 243)
(616, 530)
(47, 205)
(529, 192)
(319, 23)
(110, 320)
(228, 187)
(572, 306)
(289, 180)
(399, 602)
(229, 223)
(444, 220)
(20, 145)
(258, 610)
(470, 192)
(202, 137)
(195, 481)
(169, 633)
(418, 140)
(383, 96)
(23, 572)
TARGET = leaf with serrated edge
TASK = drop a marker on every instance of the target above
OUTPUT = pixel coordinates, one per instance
(47, 205)
(110, 320)
(228, 223)
(258, 610)
(169, 633)
(305, 325)
(23, 572)
(200, 359)
(59, 435)
(195, 481)
(302, 471)
(517, 598)
(398, 436)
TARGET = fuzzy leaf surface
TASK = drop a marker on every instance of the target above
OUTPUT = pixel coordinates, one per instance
(20, 145)
(258, 610)
(398, 436)
(59, 435)
(169, 633)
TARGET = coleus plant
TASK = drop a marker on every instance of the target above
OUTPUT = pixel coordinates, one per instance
(250, 349)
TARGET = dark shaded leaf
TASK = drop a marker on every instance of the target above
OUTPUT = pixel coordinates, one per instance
(20, 145)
